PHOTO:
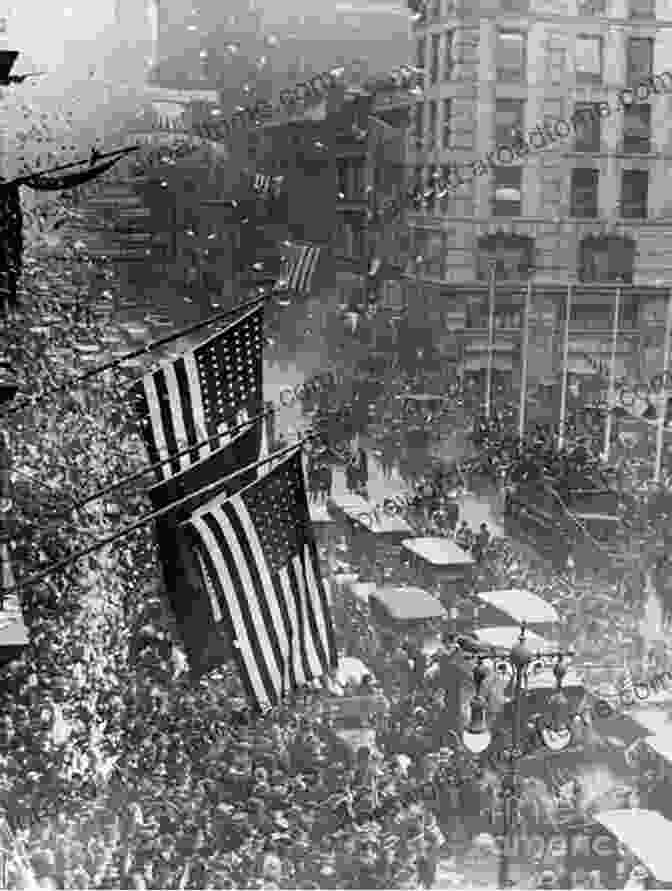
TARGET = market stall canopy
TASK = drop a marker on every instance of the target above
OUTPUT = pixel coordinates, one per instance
(437, 551)
(647, 834)
(521, 606)
(506, 637)
(409, 604)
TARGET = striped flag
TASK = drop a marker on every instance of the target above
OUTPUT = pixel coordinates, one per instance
(262, 184)
(201, 394)
(259, 552)
(299, 268)
(626, 687)
(267, 185)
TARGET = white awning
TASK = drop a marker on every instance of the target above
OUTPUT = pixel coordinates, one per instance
(647, 834)
(522, 606)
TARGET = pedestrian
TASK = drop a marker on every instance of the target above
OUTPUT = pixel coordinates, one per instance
(326, 481)
(483, 541)
(351, 475)
(463, 536)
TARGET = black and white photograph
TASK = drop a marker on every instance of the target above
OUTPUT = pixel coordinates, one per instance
(335, 444)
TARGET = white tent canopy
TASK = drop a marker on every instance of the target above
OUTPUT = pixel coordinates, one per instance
(522, 606)
(647, 834)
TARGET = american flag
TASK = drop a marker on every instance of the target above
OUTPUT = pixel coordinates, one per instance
(299, 268)
(262, 566)
(262, 183)
(201, 394)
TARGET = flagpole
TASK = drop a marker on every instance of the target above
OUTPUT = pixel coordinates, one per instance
(660, 432)
(565, 362)
(491, 336)
(140, 351)
(118, 484)
(19, 180)
(59, 565)
(523, 372)
(611, 397)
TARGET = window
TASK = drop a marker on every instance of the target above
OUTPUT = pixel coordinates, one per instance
(587, 124)
(448, 61)
(642, 9)
(418, 184)
(640, 59)
(342, 175)
(637, 129)
(511, 55)
(512, 255)
(592, 7)
(509, 119)
(607, 259)
(431, 187)
(420, 52)
(447, 123)
(584, 193)
(433, 123)
(434, 59)
(507, 194)
(419, 124)
(446, 174)
(634, 194)
(588, 58)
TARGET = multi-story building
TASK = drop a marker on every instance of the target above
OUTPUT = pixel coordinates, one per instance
(588, 205)
(344, 174)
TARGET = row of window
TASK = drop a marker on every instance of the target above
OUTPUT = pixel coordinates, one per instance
(507, 192)
(437, 10)
(511, 57)
(601, 259)
(510, 123)
(436, 40)
(589, 318)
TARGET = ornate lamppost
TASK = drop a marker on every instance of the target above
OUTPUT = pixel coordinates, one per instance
(555, 734)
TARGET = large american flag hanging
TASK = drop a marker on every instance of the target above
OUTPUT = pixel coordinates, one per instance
(299, 268)
(201, 394)
(260, 556)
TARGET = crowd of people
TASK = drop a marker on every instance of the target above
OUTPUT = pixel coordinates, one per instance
(121, 770)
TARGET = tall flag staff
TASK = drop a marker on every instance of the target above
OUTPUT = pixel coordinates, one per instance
(492, 266)
(525, 357)
(215, 487)
(29, 399)
(662, 416)
(611, 397)
(565, 364)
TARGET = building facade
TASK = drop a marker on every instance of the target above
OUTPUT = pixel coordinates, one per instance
(586, 201)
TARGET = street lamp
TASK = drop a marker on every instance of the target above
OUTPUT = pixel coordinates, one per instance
(476, 737)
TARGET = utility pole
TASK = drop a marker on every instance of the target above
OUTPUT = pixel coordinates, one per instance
(492, 267)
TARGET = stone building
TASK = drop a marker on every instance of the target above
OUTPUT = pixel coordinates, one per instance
(587, 201)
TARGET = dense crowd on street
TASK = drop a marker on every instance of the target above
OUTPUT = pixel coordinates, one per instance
(121, 770)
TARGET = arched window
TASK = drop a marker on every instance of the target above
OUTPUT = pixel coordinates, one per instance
(512, 255)
(607, 258)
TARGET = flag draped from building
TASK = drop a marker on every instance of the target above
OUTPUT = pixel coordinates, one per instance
(201, 394)
(262, 184)
(186, 582)
(298, 274)
(42, 182)
(260, 554)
